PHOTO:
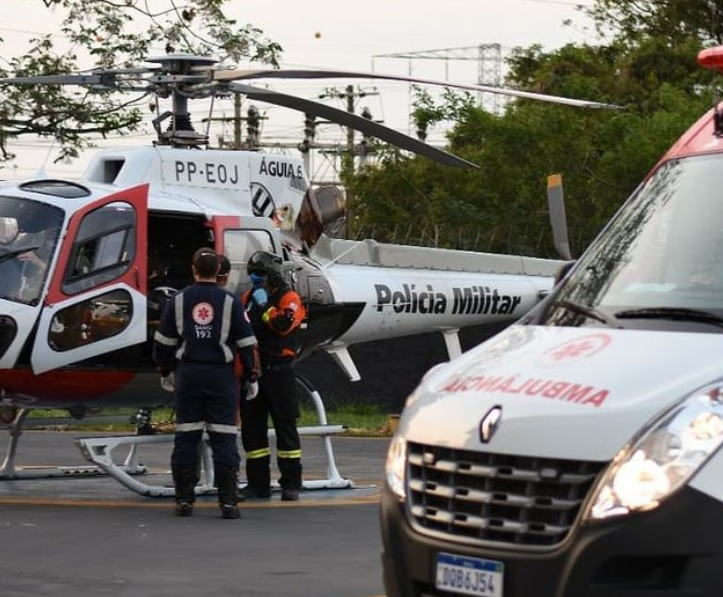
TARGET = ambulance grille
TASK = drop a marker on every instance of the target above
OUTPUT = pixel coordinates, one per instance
(497, 498)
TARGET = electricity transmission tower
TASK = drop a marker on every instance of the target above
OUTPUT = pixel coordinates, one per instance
(489, 67)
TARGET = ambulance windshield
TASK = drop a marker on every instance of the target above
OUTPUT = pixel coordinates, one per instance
(29, 232)
(663, 250)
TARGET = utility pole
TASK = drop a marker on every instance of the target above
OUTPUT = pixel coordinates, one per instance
(253, 126)
(347, 159)
(350, 97)
(237, 120)
(308, 143)
(364, 145)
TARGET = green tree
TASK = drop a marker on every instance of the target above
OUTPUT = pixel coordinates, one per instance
(113, 34)
(603, 155)
(631, 21)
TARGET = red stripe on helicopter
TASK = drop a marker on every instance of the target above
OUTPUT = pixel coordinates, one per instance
(61, 386)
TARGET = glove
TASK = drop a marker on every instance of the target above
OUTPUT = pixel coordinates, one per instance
(253, 390)
(168, 382)
(260, 296)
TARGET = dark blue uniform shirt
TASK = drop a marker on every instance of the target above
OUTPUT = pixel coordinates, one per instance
(203, 324)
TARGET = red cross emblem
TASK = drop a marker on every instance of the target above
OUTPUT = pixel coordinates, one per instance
(573, 350)
(202, 314)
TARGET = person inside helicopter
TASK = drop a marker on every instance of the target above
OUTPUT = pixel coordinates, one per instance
(28, 236)
(34, 262)
(10, 277)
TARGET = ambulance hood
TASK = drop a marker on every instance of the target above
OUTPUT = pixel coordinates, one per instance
(563, 392)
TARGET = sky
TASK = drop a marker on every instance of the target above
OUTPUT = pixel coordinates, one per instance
(341, 35)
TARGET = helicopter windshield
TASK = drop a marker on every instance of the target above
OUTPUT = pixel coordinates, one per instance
(660, 259)
(29, 232)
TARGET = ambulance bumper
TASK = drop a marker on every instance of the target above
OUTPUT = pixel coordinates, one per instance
(676, 549)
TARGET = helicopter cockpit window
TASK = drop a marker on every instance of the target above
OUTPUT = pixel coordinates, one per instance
(90, 321)
(103, 249)
(29, 232)
(239, 246)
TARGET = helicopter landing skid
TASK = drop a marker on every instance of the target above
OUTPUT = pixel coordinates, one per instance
(9, 471)
(99, 451)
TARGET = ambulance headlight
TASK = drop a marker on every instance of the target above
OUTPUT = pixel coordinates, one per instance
(396, 465)
(663, 457)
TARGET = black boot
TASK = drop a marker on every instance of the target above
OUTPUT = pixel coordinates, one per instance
(259, 478)
(227, 483)
(290, 481)
(184, 481)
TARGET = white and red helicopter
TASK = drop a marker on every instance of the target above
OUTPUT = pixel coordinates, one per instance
(85, 265)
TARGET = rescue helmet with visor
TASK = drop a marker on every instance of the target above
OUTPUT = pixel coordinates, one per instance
(263, 264)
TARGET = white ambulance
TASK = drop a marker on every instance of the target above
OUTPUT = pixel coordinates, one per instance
(577, 453)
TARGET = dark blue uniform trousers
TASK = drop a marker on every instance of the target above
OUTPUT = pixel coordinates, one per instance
(206, 398)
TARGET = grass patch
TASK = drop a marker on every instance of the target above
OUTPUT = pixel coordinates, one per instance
(361, 420)
(366, 420)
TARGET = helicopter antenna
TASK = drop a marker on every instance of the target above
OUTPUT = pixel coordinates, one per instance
(210, 115)
(42, 172)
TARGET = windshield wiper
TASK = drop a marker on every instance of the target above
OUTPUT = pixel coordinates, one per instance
(12, 254)
(590, 312)
(680, 313)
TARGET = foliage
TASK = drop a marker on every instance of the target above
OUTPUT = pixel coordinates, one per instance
(113, 34)
(603, 155)
(427, 112)
(673, 20)
(646, 65)
(360, 419)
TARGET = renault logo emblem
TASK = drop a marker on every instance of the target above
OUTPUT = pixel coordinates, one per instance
(490, 423)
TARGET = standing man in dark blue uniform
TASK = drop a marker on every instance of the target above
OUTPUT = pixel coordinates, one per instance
(276, 313)
(201, 330)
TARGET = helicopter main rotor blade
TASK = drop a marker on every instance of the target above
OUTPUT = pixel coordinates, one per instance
(110, 79)
(351, 120)
(235, 75)
(93, 79)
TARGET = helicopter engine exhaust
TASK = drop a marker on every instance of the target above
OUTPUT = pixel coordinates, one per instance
(321, 208)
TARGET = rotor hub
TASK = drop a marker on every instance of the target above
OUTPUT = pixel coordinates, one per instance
(182, 64)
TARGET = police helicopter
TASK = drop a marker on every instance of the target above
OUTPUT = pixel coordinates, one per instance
(87, 265)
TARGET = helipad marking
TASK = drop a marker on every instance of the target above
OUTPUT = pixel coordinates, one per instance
(167, 503)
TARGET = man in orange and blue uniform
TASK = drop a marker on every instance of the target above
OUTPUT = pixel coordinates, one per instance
(276, 313)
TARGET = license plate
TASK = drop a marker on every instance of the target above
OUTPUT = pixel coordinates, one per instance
(469, 576)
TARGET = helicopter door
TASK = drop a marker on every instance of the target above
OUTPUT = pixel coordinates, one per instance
(238, 238)
(96, 301)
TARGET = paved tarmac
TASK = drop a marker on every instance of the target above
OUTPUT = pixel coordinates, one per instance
(87, 535)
